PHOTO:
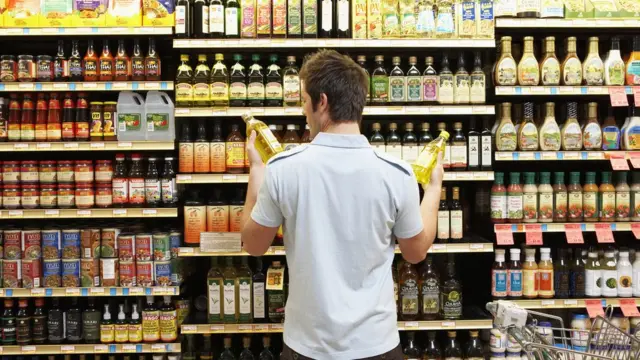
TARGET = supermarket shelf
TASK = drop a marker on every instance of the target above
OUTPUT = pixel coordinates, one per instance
(244, 178)
(369, 110)
(560, 227)
(332, 43)
(278, 328)
(88, 349)
(96, 291)
(89, 31)
(88, 213)
(558, 90)
(87, 146)
(279, 250)
(563, 155)
(568, 23)
(88, 86)
(567, 303)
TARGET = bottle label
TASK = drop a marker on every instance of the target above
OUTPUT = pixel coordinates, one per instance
(398, 88)
(201, 92)
(575, 204)
(445, 89)
(216, 19)
(530, 206)
(184, 92)
(248, 19)
(229, 308)
(572, 72)
(498, 206)
(410, 153)
(545, 206)
(107, 333)
(451, 304)
(456, 224)
(219, 91)
(258, 300)
(238, 91)
(151, 326)
(635, 204)
(550, 74)
(593, 281)
(120, 191)
(274, 91)
(409, 297)
(593, 71)
(514, 206)
(181, 17)
(294, 17)
(443, 224)
(264, 17)
(506, 72)
(343, 15)
(462, 89)
(609, 282)
(478, 90)
(152, 191)
(217, 157)
(528, 139)
(379, 88)
(499, 283)
(310, 10)
(611, 138)
(430, 87)
(292, 88)
(135, 333)
(546, 282)
(256, 91)
(231, 23)
(244, 292)
(458, 156)
(279, 17)
(327, 15)
(623, 205)
(235, 155)
(514, 285)
(506, 137)
(168, 325)
(129, 122)
(414, 88)
(561, 205)
(474, 151)
(426, 20)
(136, 191)
(590, 204)
(430, 297)
(121, 332)
(531, 283)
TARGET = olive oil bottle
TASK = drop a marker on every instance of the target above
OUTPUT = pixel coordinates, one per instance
(428, 158)
(184, 83)
(255, 88)
(266, 143)
(201, 90)
(238, 83)
(291, 83)
(362, 61)
(220, 82)
(397, 84)
(273, 91)
(414, 82)
(379, 83)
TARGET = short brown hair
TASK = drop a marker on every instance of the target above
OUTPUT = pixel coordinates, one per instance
(342, 80)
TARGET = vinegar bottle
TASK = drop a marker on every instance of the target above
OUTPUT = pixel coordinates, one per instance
(201, 150)
(185, 145)
(120, 182)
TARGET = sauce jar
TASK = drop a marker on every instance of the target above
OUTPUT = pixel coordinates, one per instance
(30, 196)
(104, 195)
(104, 171)
(11, 197)
(29, 172)
(97, 129)
(26, 68)
(11, 172)
(84, 171)
(109, 121)
(65, 171)
(48, 196)
(66, 196)
(8, 68)
(44, 70)
(85, 197)
(48, 172)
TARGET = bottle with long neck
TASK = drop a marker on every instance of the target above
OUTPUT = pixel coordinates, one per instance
(549, 134)
(593, 67)
(571, 66)
(430, 82)
(614, 66)
(633, 64)
(591, 132)
(446, 83)
(610, 132)
(462, 83)
(428, 158)
(506, 70)
(528, 70)
(478, 82)
(550, 66)
(266, 143)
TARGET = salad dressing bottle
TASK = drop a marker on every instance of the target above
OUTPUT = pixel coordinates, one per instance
(560, 198)
(530, 198)
(571, 132)
(550, 66)
(528, 70)
(575, 197)
(506, 69)
(593, 67)
(614, 65)
(506, 137)
(571, 66)
(623, 197)
(633, 64)
(610, 133)
(545, 274)
(591, 132)
(607, 198)
(634, 193)
(531, 278)
(590, 197)
(545, 198)
(528, 132)
(549, 134)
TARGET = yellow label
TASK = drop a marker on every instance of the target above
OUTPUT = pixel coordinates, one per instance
(121, 333)
(275, 279)
(374, 19)
(150, 325)
(551, 72)
(529, 285)
(135, 333)
(107, 333)
(235, 154)
(359, 19)
(572, 72)
(528, 71)
(201, 92)
(219, 91)
(184, 92)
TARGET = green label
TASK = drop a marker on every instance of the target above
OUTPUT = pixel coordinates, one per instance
(158, 122)
(397, 86)
(229, 307)
(414, 85)
(380, 88)
(129, 122)
(310, 8)
(294, 17)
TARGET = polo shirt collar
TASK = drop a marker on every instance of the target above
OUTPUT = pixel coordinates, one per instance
(341, 140)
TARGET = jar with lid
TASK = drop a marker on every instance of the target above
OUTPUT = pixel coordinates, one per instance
(66, 196)
(96, 131)
(48, 196)
(29, 172)
(30, 196)
(44, 70)
(11, 172)
(580, 327)
(12, 196)
(498, 341)
(48, 172)
(85, 197)
(104, 171)
(8, 68)
(104, 195)
(66, 173)
(109, 121)
(84, 171)
(26, 68)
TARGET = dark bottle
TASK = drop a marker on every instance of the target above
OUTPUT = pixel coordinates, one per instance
(218, 150)
(451, 293)
(201, 88)
(429, 82)
(39, 322)
(266, 353)
(122, 63)
(152, 68)
(4, 125)
(276, 299)
(343, 18)
(183, 19)
(120, 182)
(429, 286)
(190, 351)
(452, 350)
(473, 147)
(459, 161)
(409, 292)
(23, 324)
(473, 350)
(82, 118)
(246, 353)
(152, 190)
(168, 184)
(255, 87)
(362, 61)
(561, 273)
(379, 83)
(60, 64)
(216, 19)
(377, 139)
(55, 322)
(258, 293)
(227, 354)
(91, 323)
(410, 148)
(412, 351)
(273, 91)
(577, 274)
(90, 63)
(8, 322)
(137, 62)
(432, 350)
(75, 63)
(425, 134)
(237, 83)
(200, 19)
(232, 19)
(206, 353)
(106, 63)
(136, 182)
(73, 322)
(325, 21)
(397, 83)
(486, 142)
(68, 118)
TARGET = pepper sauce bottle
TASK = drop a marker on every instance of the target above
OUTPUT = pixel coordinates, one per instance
(82, 118)
(152, 63)
(106, 68)
(41, 118)
(68, 118)
(123, 65)
(90, 64)
(27, 123)
(137, 62)
(54, 121)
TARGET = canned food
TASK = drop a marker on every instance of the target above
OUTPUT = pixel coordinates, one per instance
(144, 273)
(12, 244)
(109, 272)
(52, 271)
(51, 244)
(31, 248)
(90, 243)
(71, 244)
(70, 272)
(31, 275)
(127, 273)
(11, 274)
(161, 247)
(108, 242)
(90, 272)
(175, 239)
(162, 273)
(126, 247)
(144, 247)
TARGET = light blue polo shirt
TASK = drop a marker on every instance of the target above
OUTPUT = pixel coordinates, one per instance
(340, 204)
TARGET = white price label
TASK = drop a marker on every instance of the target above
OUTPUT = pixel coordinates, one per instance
(182, 111)
(67, 348)
(439, 247)
(28, 349)
(25, 86)
(61, 86)
(149, 212)
(152, 85)
(37, 292)
(43, 146)
(137, 291)
(184, 178)
(229, 178)
(119, 212)
(279, 252)
(89, 85)
(128, 348)
(51, 213)
(216, 328)
(186, 250)
(245, 328)
(70, 145)
(100, 348)
(16, 213)
(476, 246)
(120, 85)
(97, 145)
(547, 302)
(83, 213)
(125, 144)
(411, 324)
(260, 328)
(21, 146)
(277, 327)
(96, 291)
(448, 324)
(72, 291)
(158, 347)
(571, 302)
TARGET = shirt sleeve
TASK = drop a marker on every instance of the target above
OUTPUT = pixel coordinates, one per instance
(408, 220)
(267, 210)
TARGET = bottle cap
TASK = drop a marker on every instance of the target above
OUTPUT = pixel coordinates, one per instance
(444, 134)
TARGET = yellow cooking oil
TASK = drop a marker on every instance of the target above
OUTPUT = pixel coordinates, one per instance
(428, 158)
(266, 143)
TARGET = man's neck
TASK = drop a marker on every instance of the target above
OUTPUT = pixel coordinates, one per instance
(350, 128)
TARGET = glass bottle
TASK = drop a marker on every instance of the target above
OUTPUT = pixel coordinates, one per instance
(530, 275)
(169, 191)
(571, 131)
(574, 191)
(215, 295)
(425, 134)
(152, 188)
(499, 277)
(258, 293)
(136, 182)
(379, 83)
(184, 83)
(635, 196)
(410, 147)
(591, 132)
(528, 9)
(227, 354)
(432, 349)
(91, 323)
(362, 61)
(135, 325)
(397, 84)
(266, 353)
(121, 326)
(590, 197)
(445, 83)
(498, 199)
(201, 88)
(633, 64)
(106, 64)
(430, 82)
(183, 19)
(8, 323)
(571, 66)
(624, 271)
(593, 67)
(614, 65)
(60, 64)
(444, 217)
(245, 313)
(478, 82)
(623, 201)
(394, 143)
(577, 274)
(122, 63)
(73, 322)
(219, 82)
(462, 83)
(216, 19)
(545, 274)
(456, 215)
(550, 66)
(232, 15)
(90, 63)
(230, 288)
(75, 63)
(451, 300)
(276, 297)
(474, 349)
(414, 83)
(377, 139)
(273, 89)
(514, 199)
(452, 350)
(138, 67)
(528, 132)
(506, 73)
(255, 87)
(561, 198)
(609, 274)
(326, 19)
(266, 143)
(549, 134)
(506, 136)
(23, 324)
(409, 303)
(514, 275)
(528, 69)
(238, 83)
(291, 83)
(39, 322)
(200, 19)
(55, 320)
(246, 354)
(429, 286)
(593, 276)
(412, 351)
(428, 157)
(610, 132)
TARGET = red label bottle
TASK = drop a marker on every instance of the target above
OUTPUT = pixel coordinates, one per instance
(68, 118)
(27, 122)
(54, 119)
(120, 182)
(82, 118)
(41, 118)
(15, 111)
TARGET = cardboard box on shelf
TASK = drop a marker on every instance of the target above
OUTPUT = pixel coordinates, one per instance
(90, 13)
(605, 9)
(22, 13)
(56, 13)
(3, 9)
(578, 9)
(127, 13)
(158, 13)
(628, 9)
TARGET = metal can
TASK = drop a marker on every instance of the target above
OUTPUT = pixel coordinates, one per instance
(71, 244)
(90, 272)
(12, 244)
(109, 272)
(161, 247)
(126, 247)
(52, 273)
(127, 273)
(144, 247)
(109, 248)
(31, 275)
(90, 243)
(51, 244)
(70, 272)
(162, 273)
(144, 273)
(11, 274)
(175, 239)
(31, 244)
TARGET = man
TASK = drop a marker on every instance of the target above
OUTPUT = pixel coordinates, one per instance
(341, 205)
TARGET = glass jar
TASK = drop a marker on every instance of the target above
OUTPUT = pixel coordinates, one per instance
(11, 197)
(48, 172)
(84, 171)
(29, 172)
(66, 196)
(85, 197)
(11, 172)
(44, 70)
(65, 171)
(8, 68)
(26, 68)
(30, 196)
(104, 171)
(104, 195)
(49, 196)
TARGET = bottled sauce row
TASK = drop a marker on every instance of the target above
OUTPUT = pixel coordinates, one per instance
(78, 321)
(472, 350)
(105, 66)
(216, 214)
(546, 203)
(358, 19)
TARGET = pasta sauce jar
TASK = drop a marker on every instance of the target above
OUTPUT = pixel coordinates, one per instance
(104, 171)
(11, 197)
(48, 196)
(65, 171)
(11, 172)
(104, 195)
(30, 196)
(26, 68)
(84, 171)
(48, 172)
(29, 172)
(66, 196)
(85, 197)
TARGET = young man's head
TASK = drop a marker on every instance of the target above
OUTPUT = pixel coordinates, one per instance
(334, 90)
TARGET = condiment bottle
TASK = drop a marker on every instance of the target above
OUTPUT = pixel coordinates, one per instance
(54, 119)
(623, 197)
(575, 197)
(41, 118)
(236, 208)
(550, 66)
(90, 63)
(590, 197)
(607, 198)
(613, 65)
(136, 182)
(429, 286)
(430, 82)
(75, 63)
(531, 279)
(195, 219)
(545, 198)
(458, 148)
(457, 227)
(506, 136)
(571, 131)
(561, 198)
(201, 88)
(135, 325)
(577, 275)
(202, 149)
(609, 274)
(91, 323)
(633, 64)
(591, 132)
(255, 88)
(152, 188)
(217, 155)
(478, 81)
(545, 274)
(55, 320)
(168, 321)
(498, 199)
(414, 82)
(238, 82)
(185, 149)
(152, 68)
(506, 71)
(235, 151)
(461, 83)
(571, 66)
(120, 182)
(106, 63)
(593, 276)
(499, 277)
(13, 124)
(27, 122)
(593, 67)
(138, 65)
(528, 70)
(530, 198)
(168, 183)
(8, 324)
(444, 218)
(23, 324)
(636, 275)
(122, 63)
(528, 132)
(39, 322)
(68, 118)
(442, 128)
(82, 118)
(624, 271)
(273, 89)
(150, 322)
(610, 132)
(290, 138)
(107, 333)
(561, 275)
(635, 196)
(446, 87)
(408, 282)
(514, 198)
(514, 275)
(60, 64)
(121, 327)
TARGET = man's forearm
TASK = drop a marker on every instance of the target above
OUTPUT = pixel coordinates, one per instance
(429, 209)
(256, 177)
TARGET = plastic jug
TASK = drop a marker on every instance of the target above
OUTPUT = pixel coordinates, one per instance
(132, 123)
(159, 117)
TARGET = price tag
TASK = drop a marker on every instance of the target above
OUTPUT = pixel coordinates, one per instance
(574, 234)
(595, 155)
(61, 86)
(186, 250)
(43, 146)
(629, 307)
(67, 349)
(149, 212)
(16, 213)
(125, 144)
(216, 328)
(245, 328)
(635, 228)
(448, 324)
(411, 324)
(604, 233)
(540, 90)
(473, 247)
(89, 85)
(636, 94)
(72, 291)
(570, 302)
(618, 96)
(97, 145)
(25, 86)
(1, 350)
(439, 247)
(182, 111)
(260, 328)
(37, 292)
(634, 157)
(597, 90)
(152, 85)
(83, 213)
(184, 179)
(28, 349)
(504, 236)
(481, 175)
(229, 178)
(279, 252)
(96, 291)
(128, 348)
(158, 347)
(119, 212)
(567, 90)
(20, 146)
(186, 329)
(619, 164)
(276, 327)
(594, 308)
(137, 291)
(547, 302)
(436, 110)
(70, 145)
(533, 234)
(99, 349)
(571, 155)
(51, 213)
(120, 85)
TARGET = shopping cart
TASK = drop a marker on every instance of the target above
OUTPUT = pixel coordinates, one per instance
(603, 340)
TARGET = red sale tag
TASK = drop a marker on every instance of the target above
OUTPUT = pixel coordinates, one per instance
(574, 234)
(618, 96)
(619, 164)
(634, 157)
(636, 230)
(629, 307)
(636, 94)
(594, 308)
(604, 233)
(504, 235)
(533, 234)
